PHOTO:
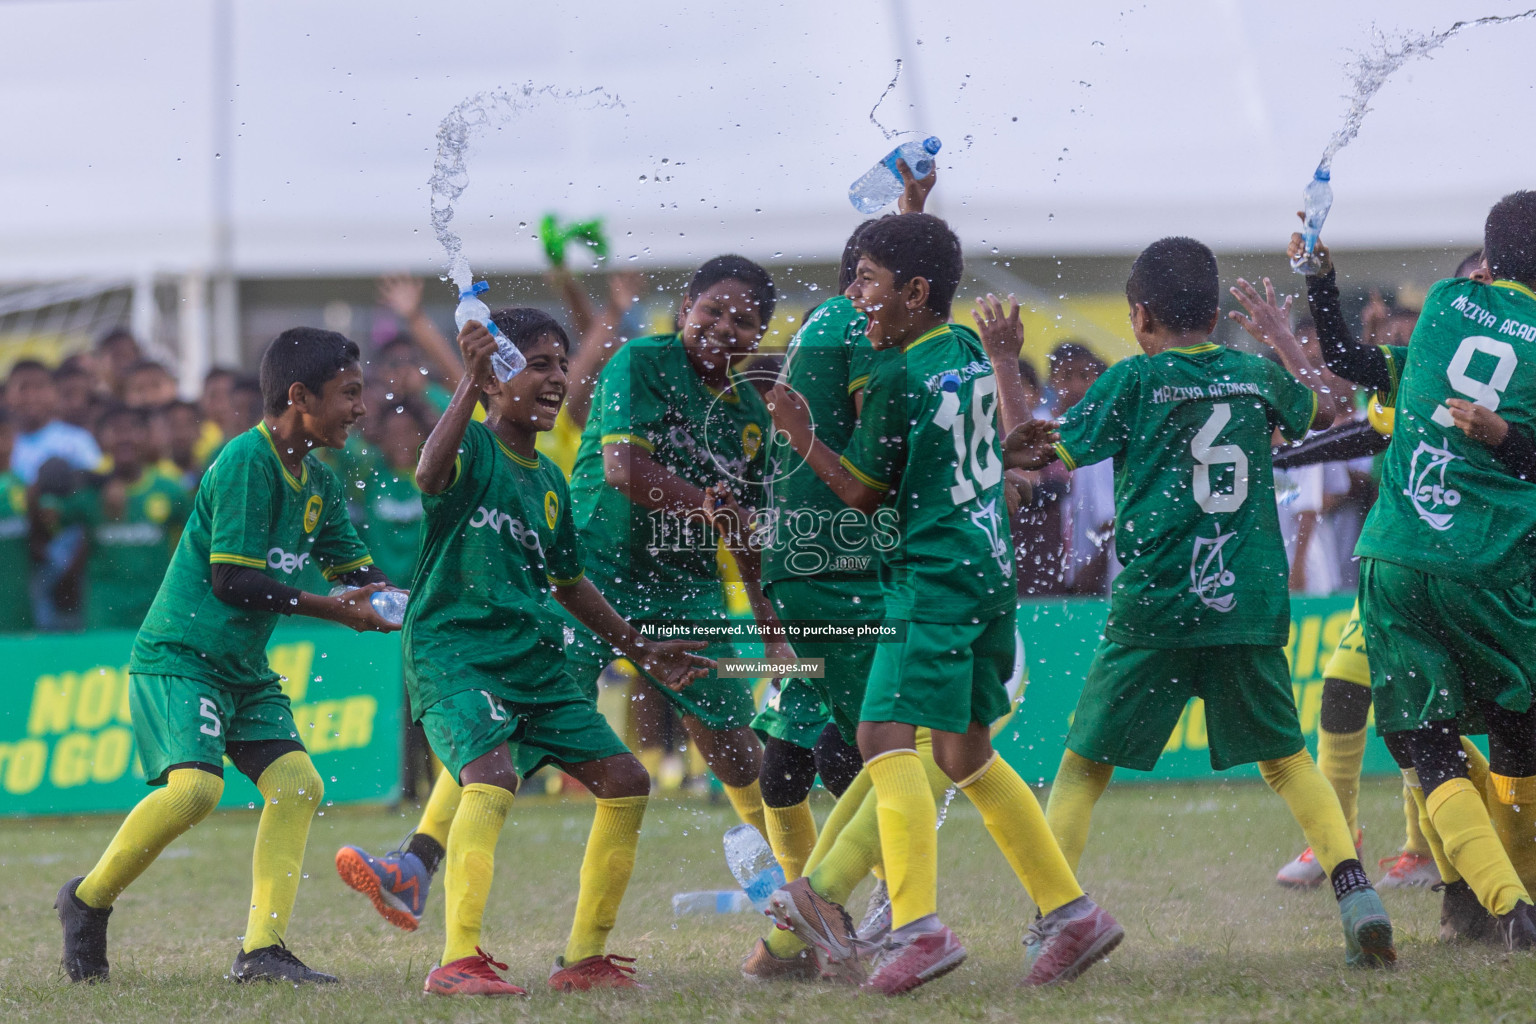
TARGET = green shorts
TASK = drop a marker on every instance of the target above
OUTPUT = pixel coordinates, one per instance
(467, 725)
(794, 713)
(811, 599)
(1134, 696)
(177, 720)
(1438, 646)
(943, 675)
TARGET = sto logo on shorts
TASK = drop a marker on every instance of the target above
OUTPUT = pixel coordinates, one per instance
(312, 512)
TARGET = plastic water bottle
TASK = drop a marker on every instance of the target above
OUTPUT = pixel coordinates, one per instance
(712, 901)
(752, 862)
(390, 604)
(881, 184)
(506, 362)
(1316, 200)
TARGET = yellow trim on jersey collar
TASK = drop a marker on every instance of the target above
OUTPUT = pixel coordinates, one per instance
(295, 484)
(1196, 350)
(942, 328)
(532, 463)
(1516, 286)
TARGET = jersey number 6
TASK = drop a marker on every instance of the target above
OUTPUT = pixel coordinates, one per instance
(1207, 454)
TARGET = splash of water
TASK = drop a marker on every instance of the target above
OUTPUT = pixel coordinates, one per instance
(1369, 71)
(450, 173)
(887, 132)
(949, 798)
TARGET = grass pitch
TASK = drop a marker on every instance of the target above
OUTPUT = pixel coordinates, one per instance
(1188, 870)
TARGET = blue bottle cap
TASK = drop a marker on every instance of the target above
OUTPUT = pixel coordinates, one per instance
(932, 144)
(950, 381)
(475, 289)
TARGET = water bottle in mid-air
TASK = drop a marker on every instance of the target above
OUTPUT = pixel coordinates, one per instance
(1316, 199)
(881, 184)
(507, 362)
(711, 901)
(390, 604)
(752, 862)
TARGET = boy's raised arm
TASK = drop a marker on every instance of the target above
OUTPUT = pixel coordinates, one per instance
(1002, 336)
(792, 417)
(1363, 364)
(1269, 322)
(435, 466)
(672, 662)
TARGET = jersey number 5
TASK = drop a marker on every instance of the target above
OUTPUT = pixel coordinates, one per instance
(1207, 454)
(1487, 393)
(975, 451)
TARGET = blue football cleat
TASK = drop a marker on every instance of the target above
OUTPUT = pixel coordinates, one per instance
(396, 884)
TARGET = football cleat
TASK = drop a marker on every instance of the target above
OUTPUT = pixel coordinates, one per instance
(904, 963)
(471, 976)
(877, 917)
(762, 965)
(85, 934)
(1462, 917)
(1069, 940)
(822, 925)
(276, 963)
(396, 883)
(1367, 930)
(1305, 872)
(1518, 928)
(1408, 871)
(607, 971)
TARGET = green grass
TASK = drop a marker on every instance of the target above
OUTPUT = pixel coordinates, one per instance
(1187, 869)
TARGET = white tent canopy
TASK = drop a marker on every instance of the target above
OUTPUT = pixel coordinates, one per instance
(134, 142)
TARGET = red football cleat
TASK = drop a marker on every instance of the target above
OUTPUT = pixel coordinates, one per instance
(471, 976)
(904, 964)
(607, 971)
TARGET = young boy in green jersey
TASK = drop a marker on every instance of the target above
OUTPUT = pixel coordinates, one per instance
(485, 653)
(926, 446)
(1448, 560)
(133, 517)
(200, 687)
(1201, 608)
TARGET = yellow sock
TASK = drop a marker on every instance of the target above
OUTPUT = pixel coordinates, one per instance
(185, 799)
(442, 804)
(842, 812)
(908, 841)
(1314, 806)
(1013, 816)
(1472, 846)
(1413, 833)
(291, 789)
(1511, 807)
(748, 802)
(470, 864)
(605, 870)
(1448, 872)
(791, 835)
(1339, 757)
(1069, 810)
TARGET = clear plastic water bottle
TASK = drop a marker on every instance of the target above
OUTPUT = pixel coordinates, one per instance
(390, 604)
(711, 901)
(881, 184)
(1316, 200)
(752, 862)
(507, 362)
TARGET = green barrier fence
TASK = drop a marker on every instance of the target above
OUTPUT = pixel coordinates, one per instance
(66, 743)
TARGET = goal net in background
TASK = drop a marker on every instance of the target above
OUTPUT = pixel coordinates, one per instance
(52, 321)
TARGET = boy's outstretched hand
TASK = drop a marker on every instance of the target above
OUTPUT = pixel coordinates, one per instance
(792, 416)
(1478, 422)
(1029, 445)
(673, 663)
(1267, 320)
(355, 610)
(914, 191)
(1002, 334)
(477, 346)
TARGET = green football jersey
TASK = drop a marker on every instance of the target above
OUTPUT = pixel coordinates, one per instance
(15, 556)
(809, 531)
(1195, 521)
(249, 511)
(391, 522)
(928, 438)
(480, 615)
(129, 553)
(647, 562)
(1447, 506)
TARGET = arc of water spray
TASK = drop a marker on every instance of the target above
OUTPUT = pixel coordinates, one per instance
(1369, 71)
(450, 172)
(887, 132)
